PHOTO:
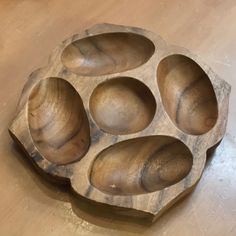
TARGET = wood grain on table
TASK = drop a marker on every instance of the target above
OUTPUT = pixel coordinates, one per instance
(29, 31)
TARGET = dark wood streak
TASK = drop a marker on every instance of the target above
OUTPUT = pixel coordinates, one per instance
(36, 156)
(59, 126)
(183, 84)
(88, 191)
(71, 135)
(159, 200)
(66, 139)
(96, 134)
(51, 168)
(109, 50)
(142, 158)
(101, 50)
(148, 161)
(180, 99)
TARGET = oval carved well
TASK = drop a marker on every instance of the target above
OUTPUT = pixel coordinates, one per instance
(57, 120)
(107, 53)
(187, 94)
(141, 165)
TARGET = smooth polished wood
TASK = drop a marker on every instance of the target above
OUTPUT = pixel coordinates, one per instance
(141, 165)
(57, 121)
(127, 114)
(107, 54)
(187, 94)
(25, 27)
(122, 105)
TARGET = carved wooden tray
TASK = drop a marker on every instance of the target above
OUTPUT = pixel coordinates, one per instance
(122, 117)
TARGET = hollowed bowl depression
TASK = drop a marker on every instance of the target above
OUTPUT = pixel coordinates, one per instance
(141, 165)
(107, 53)
(122, 105)
(187, 94)
(57, 121)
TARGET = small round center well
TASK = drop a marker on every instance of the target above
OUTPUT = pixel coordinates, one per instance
(122, 105)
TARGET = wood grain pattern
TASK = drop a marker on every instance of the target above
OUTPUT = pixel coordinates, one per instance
(141, 165)
(29, 31)
(107, 53)
(122, 105)
(187, 94)
(104, 96)
(57, 121)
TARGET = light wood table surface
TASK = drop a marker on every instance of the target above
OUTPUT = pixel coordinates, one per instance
(29, 30)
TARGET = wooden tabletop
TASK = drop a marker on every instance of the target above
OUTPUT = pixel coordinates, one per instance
(29, 30)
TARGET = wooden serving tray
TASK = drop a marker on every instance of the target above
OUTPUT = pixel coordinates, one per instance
(123, 117)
